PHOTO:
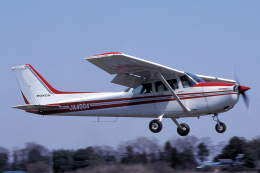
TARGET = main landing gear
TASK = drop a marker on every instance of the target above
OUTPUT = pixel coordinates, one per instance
(156, 126)
(182, 129)
(220, 127)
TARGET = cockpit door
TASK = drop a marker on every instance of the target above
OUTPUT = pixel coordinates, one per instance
(142, 101)
(165, 102)
(192, 96)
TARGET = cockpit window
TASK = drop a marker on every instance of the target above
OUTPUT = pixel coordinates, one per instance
(159, 86)
(194, 77)
(186, 82)
(143, 89)
(127, 89)
(189, 79)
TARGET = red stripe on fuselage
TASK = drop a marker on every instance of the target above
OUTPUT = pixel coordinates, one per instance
(121, 104)
(213, 84)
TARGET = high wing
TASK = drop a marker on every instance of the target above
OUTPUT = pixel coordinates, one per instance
(40, 107)
(131, 71)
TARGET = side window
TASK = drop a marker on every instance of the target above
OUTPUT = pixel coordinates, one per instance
(159, 86)
(143, 89)
(185, 82)
(173, 83)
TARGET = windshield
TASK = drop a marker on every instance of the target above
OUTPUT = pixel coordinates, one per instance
(190, 79)
(195, 78)
(127, 89)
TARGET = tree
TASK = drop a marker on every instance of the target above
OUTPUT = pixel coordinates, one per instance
(34, 156)
(62, 160)
(187, 159)
(14, 165)
(203, 152)
(174, 158)
(167, 152)
(128, 157)
(106, 153)
(235, 146)
(251, 151)
(3, 161)
(85, 158)
(189, 142)
(31, 153)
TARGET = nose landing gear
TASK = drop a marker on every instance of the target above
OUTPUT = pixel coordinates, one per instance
(220, 127)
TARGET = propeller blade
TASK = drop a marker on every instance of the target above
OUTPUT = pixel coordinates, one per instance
(246, 100)
(235, 76)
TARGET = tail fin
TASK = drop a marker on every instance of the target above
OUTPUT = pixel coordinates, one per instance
(35, 89)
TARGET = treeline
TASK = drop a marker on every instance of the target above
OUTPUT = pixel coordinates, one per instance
(184, 153)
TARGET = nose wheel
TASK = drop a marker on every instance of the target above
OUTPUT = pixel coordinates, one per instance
(220, 127)
(155, 126)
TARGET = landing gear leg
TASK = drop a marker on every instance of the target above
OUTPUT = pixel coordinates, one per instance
(182, 129)
(220, 127)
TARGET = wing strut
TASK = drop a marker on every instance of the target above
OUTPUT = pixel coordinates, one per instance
(172, 92)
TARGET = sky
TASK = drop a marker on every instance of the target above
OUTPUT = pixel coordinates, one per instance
(203, 37)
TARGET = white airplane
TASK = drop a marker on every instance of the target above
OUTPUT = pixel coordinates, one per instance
(154, 91)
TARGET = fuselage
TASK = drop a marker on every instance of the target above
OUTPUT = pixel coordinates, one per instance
(201, 99)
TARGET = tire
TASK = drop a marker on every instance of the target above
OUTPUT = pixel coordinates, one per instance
(185, 131)
(155, 126)
(220, 129)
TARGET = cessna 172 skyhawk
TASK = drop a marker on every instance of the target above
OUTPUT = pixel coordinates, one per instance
(155, 91)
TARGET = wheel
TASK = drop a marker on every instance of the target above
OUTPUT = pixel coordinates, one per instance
(221, 128)
(155, 126)
(184, 130)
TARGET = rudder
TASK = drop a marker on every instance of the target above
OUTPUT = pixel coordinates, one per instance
(34, 90)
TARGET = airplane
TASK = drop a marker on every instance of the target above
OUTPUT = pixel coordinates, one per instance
(154, 91)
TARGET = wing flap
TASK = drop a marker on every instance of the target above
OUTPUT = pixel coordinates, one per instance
(40, 107)
(128, 80)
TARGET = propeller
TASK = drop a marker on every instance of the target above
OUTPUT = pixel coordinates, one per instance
(242, 90)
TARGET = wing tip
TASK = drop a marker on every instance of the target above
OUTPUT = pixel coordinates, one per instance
(104, 54)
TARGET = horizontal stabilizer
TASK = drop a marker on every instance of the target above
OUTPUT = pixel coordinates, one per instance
(40, 107)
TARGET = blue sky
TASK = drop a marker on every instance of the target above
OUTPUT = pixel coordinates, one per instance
(201, 37)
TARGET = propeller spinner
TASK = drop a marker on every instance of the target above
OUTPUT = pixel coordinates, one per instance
(242, 90)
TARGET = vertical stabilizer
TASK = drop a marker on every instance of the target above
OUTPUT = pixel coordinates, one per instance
(34, 90)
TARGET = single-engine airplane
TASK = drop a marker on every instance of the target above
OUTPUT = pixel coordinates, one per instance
(154, 91)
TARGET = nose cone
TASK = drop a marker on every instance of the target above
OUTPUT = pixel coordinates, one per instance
(243, 89)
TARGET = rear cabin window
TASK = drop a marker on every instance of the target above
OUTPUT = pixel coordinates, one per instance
(143, 89)
(159, 86)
